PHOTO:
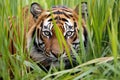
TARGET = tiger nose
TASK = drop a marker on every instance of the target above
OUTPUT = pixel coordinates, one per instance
(57, 53)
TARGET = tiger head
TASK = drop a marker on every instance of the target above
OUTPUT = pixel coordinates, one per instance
(42, 41)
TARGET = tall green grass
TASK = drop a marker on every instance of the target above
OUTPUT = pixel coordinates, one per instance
(99, 61)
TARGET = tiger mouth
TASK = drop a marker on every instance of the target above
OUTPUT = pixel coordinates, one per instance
(55, 62)
(47, 61)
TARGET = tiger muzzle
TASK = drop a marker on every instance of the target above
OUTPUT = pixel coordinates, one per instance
(57, 53)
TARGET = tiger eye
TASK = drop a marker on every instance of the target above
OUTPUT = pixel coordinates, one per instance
(70, 27)
(45, 27)
(69, 33)
(46, 33)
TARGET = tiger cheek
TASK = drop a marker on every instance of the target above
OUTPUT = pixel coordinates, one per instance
(47, 45)
(70, 40)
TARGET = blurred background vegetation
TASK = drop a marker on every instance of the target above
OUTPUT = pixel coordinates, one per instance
(101, 60)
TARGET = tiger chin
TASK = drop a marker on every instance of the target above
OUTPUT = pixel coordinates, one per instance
(42, 42)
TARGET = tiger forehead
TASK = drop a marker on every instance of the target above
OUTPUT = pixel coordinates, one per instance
(63, 8)
(60, 15)
(61, 11)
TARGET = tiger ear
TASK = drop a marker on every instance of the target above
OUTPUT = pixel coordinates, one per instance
(77, 9)
(36, 9)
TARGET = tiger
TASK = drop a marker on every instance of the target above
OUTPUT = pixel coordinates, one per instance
(45, 47)
(41, 42)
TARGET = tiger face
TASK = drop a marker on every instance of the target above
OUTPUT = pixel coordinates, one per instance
(42, 41)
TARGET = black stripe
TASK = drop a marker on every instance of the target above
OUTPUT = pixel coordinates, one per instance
(58, 12)
(38, 33)
(85, 36)
(34, 32)
(48, 15)
(41, 36)
(75, 24)
(75, 37)
(76, 43)
(58, 18)
(41, 25)
(50, 19)
(70, 15)
(66, 15)
(67, 10)
(63, 19)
